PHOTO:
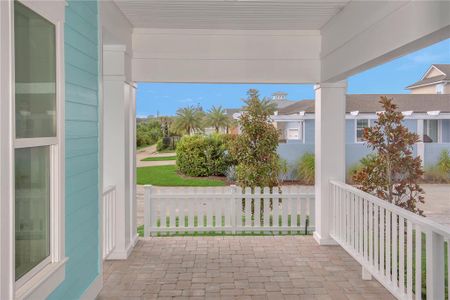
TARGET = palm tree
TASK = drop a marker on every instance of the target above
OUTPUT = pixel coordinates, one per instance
(188, 119)
(217, 118)
(268, 106)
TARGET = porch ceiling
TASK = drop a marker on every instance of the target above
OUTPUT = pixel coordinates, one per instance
(234, 14)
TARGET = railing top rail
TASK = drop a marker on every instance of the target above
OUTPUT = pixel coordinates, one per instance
(427, 224)
(108, 189)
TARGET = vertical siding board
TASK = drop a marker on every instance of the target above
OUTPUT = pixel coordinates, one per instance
(82, 149)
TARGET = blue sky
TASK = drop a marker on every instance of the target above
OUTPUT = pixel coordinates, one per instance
(389, 78)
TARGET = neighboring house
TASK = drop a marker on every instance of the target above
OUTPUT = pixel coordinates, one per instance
(436, 80)
(427, 115)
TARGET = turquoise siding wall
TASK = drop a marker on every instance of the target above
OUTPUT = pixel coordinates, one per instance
(82, 146)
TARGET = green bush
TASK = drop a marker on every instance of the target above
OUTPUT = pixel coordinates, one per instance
(306, 169)
(166, 143)
(148, 132)
(354, 169)
(203, 155)
(436, 175)
(444, 162)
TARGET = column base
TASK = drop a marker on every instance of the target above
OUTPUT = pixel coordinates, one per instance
(324, 241)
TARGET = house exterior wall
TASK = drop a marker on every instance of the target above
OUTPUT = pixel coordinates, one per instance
(433, 151)
(82, 150)
(427, 89)
(355, 151)
(309, 131)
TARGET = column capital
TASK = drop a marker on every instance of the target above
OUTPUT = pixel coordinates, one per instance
(331, 85)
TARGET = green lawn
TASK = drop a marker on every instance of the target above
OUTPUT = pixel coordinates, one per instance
(167, 176)
(159, 158)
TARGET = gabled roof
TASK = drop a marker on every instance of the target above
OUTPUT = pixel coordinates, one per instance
(418, 103)
(443, 68)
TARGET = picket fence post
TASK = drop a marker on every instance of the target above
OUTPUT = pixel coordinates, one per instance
(233, 208)
(147, 219)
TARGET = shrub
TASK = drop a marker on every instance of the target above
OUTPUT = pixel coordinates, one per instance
(283, 170)
(359, 166)
(203, 155)
(306, 169)
(444, 162)
(148, 132)
(435, 174)
(166, 143)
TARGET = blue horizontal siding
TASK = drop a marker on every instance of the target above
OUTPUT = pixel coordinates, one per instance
(81, 146)
(81, 149)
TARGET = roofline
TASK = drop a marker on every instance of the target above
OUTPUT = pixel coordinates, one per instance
(425, 84)
(348, 116)
(429, 69)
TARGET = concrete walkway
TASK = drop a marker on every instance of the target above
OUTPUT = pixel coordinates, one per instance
(272, 267)
(151, 152)
(437, 202)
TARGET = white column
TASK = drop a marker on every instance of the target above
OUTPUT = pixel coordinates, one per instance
(329, 152)
(118, 145)
(420, 144)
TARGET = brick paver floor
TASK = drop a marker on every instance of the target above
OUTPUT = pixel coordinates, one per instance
(272, 267)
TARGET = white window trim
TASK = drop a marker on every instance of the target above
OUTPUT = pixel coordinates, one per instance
(369, 122)
(49, 274)
(439, 129)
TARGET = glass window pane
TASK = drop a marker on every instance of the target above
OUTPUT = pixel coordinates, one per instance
(360, 125)
(433, 130)
(32, 207)
(35, 72)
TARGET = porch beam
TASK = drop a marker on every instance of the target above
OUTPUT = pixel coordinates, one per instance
(329, 152)
(384, 31)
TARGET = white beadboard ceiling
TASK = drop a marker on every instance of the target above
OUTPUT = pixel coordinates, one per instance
(230, 14)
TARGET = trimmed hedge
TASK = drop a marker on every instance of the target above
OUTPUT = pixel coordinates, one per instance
(201, 156)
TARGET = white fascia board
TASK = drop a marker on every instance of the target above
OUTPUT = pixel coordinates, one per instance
(348, 116)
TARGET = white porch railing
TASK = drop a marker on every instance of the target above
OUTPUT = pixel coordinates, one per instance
(390, 243)
(109, 220)
(227, 209)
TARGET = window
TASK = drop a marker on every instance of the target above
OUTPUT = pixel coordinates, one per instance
(293, 134)
(360, 126)
(440, 88)
(36, 146)
(430, 131)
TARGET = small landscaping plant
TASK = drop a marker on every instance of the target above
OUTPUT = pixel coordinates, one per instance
(394, 173)
(255, 149)
(440, 173)
(306, 169)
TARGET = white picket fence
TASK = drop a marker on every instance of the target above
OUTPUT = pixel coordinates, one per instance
(228, 209)
(389, 242)
(109, 220)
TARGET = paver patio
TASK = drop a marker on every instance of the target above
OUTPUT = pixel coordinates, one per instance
(272, 267)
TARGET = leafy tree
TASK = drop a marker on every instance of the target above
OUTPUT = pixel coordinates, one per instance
(148, 132)
(188, 120)
(394, 172)
(217, 118)
(255, 149)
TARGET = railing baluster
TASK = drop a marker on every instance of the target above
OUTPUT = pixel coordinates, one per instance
(418, 270)
(395, 250)
(382, 238)
(376, 238)
(401, 255)
(388, 245)
(409, 259)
